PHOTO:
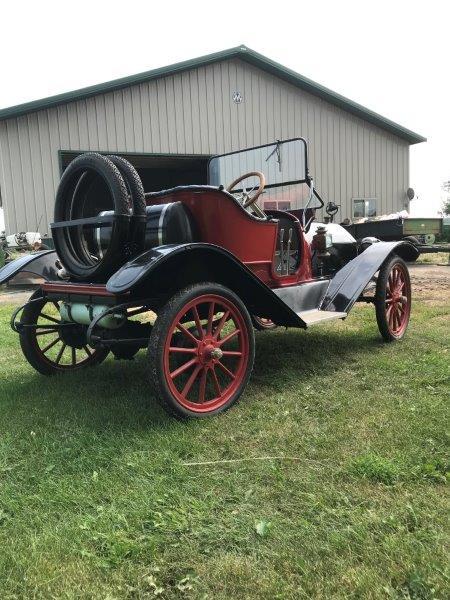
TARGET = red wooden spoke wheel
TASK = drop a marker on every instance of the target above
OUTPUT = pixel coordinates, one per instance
(393, 299)
(201, 351)
(53, 347)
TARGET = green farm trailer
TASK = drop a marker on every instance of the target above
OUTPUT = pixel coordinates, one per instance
(418, 231)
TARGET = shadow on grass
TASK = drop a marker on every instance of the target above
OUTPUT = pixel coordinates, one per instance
(115, 395)
(300, 355)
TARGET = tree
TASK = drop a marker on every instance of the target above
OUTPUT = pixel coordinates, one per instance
(446, 202)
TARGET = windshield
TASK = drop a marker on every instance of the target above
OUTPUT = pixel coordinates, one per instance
(284, 164)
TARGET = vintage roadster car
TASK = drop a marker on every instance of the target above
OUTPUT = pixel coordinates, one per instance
(190, 272)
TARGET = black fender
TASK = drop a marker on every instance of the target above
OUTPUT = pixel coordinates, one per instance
(349, 282)
(163, 270)
(42, 264)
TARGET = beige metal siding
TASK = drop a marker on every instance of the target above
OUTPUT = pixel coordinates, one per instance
(193, 113)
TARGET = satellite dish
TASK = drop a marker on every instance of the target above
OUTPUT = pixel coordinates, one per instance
(410, 193)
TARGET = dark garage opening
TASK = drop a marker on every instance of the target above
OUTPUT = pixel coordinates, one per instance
(159, 172)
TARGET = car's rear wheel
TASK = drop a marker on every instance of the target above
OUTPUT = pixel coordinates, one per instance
(201, 351)
(50, 347)
(393, 299)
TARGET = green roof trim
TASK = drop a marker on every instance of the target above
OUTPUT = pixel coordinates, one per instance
(241, 52)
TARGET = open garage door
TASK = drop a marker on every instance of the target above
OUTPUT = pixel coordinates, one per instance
(159, 172)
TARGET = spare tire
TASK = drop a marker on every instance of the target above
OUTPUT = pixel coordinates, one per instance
(90, 187)
(137, 194)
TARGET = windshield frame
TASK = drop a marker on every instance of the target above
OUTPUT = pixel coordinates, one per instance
(307, 179)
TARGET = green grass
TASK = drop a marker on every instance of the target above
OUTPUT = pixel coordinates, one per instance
(96, 501)
(436, 258)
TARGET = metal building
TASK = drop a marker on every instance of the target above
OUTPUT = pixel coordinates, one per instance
(169, 121)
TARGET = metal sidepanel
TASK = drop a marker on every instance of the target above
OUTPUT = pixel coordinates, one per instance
(414, 226)
(348, 283)
(41, 264)
(135, 274)
(306, 296)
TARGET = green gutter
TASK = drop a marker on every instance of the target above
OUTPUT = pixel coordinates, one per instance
(241, 52)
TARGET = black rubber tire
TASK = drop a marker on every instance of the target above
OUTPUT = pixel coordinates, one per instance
(157, 340)
(380, 297)
(117, 252)
(136, 189)
(30, 347)
(261, 325)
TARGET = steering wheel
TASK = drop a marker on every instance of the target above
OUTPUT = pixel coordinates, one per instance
(245, 197)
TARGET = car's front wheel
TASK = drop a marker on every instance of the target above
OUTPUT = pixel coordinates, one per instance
(201, 351)
(393, 299)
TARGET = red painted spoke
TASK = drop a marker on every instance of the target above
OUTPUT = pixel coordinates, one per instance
(221, 323)
(397, 277)
(184, 367)
(182, 350)
(197, 322)
(225, 370)
(202, 389)
(196, 378)
(60, 353)
(50, 318)
(216, 382)
(401, 285)
(389, 315)
(187, 333)
(229, 337)
(53, 343)
(393, 279)
(210, 318)
(191, 380)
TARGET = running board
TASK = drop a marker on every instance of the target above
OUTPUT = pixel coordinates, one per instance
(312, 317)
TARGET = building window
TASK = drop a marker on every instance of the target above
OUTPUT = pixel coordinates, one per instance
(280, 205)
(364, 207)
(270, 205)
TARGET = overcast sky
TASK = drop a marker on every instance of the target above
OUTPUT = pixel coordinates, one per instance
(392, 57)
